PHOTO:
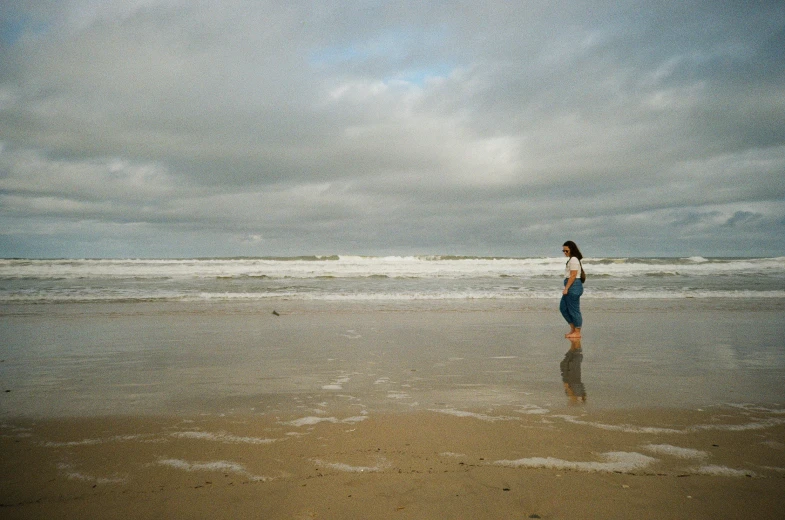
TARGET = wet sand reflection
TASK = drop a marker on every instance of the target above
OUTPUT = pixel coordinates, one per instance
(571, 373)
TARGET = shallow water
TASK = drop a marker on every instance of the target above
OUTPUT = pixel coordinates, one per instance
(184, 358)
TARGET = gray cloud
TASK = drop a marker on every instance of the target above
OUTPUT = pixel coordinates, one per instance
(173, 128)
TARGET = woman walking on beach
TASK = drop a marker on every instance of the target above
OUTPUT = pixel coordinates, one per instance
(570, 305)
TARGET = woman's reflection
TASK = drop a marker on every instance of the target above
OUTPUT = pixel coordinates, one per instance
(571, 373)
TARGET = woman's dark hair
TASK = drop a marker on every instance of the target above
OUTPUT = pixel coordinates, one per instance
(574, 251)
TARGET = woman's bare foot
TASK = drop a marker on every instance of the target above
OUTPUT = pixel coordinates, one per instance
(576, 334)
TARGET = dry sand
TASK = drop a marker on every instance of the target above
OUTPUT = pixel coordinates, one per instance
(576, 463)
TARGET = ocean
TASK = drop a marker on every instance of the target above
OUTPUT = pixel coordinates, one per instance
(382, 279)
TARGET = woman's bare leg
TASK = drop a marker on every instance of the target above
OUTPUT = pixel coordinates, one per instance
(572, 331)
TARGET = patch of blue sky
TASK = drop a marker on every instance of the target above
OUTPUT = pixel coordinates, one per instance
(336, 55)
(13, 28)
(387, 47)
(406, 51)
(394, 45)
(420, 75)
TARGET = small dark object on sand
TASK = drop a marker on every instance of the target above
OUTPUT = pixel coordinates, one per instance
(276, 313)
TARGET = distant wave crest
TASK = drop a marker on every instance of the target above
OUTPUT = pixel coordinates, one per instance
(364, 278)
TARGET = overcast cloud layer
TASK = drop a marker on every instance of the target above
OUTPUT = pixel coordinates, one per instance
(176, 128)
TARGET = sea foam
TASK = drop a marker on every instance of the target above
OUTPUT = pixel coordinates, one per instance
(347, 468)
(212, 466)
(353, 278)
(473, 415)
(221, 437)
(722, 471)
(675, 451)
(311, 421)
(615, 461)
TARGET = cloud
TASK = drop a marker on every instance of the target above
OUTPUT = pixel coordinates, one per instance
(302, 127)
(743, 218)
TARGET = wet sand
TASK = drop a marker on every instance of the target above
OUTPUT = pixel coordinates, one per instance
(457, 411)
(717, 463)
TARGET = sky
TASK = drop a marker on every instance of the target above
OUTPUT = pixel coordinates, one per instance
(190, 128)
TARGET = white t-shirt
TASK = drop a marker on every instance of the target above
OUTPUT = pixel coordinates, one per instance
(573, 265)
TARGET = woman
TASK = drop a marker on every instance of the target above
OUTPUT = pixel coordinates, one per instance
(570, 305)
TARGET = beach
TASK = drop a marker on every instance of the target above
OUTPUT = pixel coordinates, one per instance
(429, 409)
(712, 464)
(420, 260)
